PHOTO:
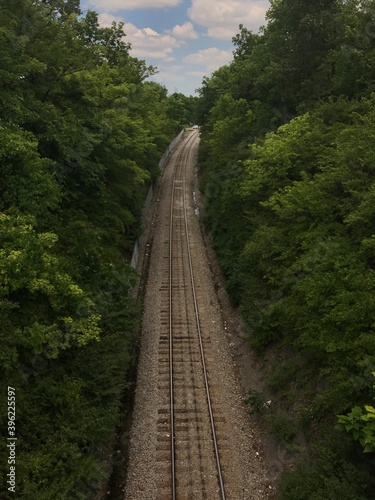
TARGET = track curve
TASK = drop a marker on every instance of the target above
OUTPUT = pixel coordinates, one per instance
(190, 437)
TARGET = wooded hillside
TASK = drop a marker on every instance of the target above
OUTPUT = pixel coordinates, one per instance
(287, 164)
(81, 135)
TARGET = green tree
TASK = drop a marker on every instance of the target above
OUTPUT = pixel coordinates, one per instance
(81, 135)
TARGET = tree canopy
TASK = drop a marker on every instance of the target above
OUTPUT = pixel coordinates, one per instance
(287, 166)
(81, 135)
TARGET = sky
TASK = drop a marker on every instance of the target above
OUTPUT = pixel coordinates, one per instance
(184, 39)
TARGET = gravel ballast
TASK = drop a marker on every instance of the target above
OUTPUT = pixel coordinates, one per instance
(244, 470)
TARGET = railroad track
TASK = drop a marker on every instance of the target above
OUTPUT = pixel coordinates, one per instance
(187, 444)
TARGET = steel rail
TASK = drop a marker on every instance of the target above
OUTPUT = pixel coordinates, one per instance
(209, 403)
(171, 378)
(206, 381)
(171, 395)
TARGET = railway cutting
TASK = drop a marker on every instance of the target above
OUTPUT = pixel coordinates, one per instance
(188, 439)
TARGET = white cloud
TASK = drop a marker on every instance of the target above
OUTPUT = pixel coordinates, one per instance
(170, 73)
(211, 58)
(146, 42)
(170, 76)
(114, 5)
(185, 31)
(106, 19)
(196, 73)
(222, 17)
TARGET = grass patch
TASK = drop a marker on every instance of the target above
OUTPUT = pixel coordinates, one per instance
(283, 375)
(255, 402)
(282, 427)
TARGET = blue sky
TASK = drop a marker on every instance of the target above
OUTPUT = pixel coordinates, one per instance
(184, 39)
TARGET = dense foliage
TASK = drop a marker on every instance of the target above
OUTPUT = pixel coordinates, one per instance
(81, 134)
(287, 163)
